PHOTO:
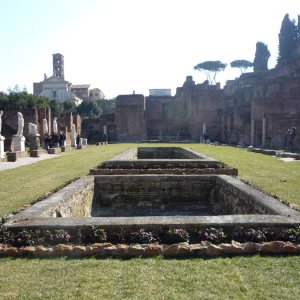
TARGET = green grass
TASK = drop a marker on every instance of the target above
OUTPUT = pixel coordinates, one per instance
(264, 171)
(253, 277)
(241, 277)
(24, 184)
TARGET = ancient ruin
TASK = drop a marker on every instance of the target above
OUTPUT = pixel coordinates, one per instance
(156, 201)
(255, 109)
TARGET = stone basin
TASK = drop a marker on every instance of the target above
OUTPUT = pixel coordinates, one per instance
(155, 201)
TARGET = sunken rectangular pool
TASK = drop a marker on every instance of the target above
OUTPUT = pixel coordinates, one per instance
(156, 200)
(153, 201)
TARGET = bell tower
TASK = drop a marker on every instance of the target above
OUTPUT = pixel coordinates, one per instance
(58, 66)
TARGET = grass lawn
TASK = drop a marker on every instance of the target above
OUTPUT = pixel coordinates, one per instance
(242, 277)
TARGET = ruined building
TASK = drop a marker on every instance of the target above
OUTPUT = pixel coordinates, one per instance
(255, 109)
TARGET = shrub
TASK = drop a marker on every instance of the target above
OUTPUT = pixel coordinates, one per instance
(98, 234)
(291, 234)
(177, 235)
(250, 235)
(27, 238)
(59, 236)
(143, 237)
(214, 235)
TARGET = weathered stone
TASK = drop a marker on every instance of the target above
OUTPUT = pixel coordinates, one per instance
(274, 247)
(78, 250)
(110, 250)
(101, 247)
(135, 250)
(184, 249)
(41, 251)
(197, 249)
(122, 249)
(28, 250)
(61, 249)
(170, 250)
(153, 250)
(213, 250)
(289, 248)
(91, 250)
(53, 150)
(2, 249)
(11, 251)
(250, 248)
(233, 248)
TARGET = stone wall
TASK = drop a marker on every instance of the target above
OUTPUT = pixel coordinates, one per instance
(93, 129)
(166, 153)
(259, 108)
(35, 116)
(230, 196)
(166, 118)
(130, 118)
(10, 119)
(142, 195)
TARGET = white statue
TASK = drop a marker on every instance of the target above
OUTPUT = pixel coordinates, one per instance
(73, 132)
(20, 124)
(55, 130)
(0, 121)
(32, 129)
(45, 126)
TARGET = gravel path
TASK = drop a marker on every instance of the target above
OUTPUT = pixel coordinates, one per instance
(25, 161)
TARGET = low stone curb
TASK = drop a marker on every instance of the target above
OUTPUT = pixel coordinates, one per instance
(176, 171)
(151, 250)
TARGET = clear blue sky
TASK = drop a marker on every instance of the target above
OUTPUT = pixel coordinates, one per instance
(125, 45)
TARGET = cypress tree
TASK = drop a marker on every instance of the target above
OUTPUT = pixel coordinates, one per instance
(262, 55)
(288, 37)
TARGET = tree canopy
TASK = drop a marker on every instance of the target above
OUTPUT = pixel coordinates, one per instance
(241, 64)
(262, 55)
(21, 99)
(211, 68)
(95, 108)
(289, 39)
(88, 108)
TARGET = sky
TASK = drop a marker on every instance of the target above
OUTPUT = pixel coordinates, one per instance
(121, 46)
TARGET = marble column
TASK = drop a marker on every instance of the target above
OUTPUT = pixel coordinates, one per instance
(2, 153)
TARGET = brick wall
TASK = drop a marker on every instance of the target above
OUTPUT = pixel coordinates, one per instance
(130, 118)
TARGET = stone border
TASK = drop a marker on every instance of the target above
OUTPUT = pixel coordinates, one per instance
(39, 215)
(204, 249)
(128, 160)
(224, 171)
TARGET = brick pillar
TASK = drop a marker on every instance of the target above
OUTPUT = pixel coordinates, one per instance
(263, 142)
(68, 121)
(252, 132)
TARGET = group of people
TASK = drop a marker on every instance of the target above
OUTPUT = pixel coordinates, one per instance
(54, 140)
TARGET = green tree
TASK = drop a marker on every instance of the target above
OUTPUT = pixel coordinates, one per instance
(22, 99)
(288, 39)
(89, 108)
(241, 64)
(262, 55)
(69, 106)
(3, 100)
(107, 106)
(211, 68)
(57, 107)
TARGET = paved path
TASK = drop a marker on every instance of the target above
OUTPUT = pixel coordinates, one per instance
(25, 161)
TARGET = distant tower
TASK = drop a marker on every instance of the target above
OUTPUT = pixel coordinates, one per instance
(58, 66)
